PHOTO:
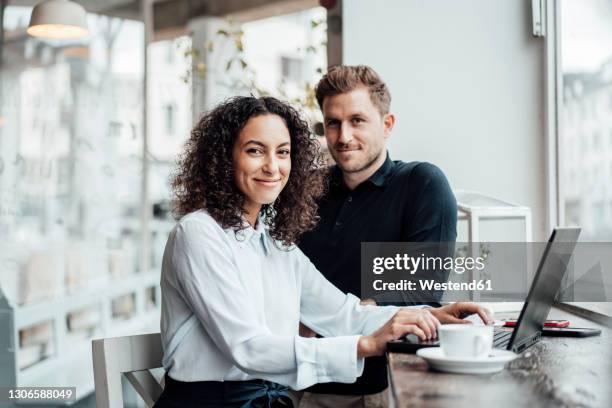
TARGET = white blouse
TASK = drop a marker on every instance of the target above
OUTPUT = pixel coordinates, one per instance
(232, 303)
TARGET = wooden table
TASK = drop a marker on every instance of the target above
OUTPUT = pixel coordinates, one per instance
(556, 372)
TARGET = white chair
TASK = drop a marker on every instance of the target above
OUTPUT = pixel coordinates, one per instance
(132, 356)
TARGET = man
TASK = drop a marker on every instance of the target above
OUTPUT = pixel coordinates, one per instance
(371, 199)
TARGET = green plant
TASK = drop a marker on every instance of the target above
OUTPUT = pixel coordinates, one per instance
(226, 53)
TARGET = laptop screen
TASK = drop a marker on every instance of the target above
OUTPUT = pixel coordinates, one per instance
(546, 284)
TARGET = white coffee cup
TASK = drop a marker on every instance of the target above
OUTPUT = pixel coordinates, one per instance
(466, 340)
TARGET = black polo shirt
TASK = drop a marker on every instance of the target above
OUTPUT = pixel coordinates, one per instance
(400, 202)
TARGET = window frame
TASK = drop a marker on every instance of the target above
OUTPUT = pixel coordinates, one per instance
(553, 106)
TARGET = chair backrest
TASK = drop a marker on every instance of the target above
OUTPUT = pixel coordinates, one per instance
(132, 356)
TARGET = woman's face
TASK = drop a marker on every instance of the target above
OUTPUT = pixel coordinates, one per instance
(262, 161)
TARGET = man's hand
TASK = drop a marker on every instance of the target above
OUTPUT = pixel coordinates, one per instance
(457, 312)
(418, 321)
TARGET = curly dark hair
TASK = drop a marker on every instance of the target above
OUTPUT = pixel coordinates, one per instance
(205, 175)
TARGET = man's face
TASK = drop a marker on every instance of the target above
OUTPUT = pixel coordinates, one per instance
(355, 130)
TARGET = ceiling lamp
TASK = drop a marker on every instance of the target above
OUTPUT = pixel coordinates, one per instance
(58, 19)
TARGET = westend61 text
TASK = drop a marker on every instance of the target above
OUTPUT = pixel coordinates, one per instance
(431, 284)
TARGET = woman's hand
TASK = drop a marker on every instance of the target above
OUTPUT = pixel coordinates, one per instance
(420, 322)
(306, 331)
(457, 312)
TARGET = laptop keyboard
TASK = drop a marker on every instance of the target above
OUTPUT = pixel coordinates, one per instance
(501, 338)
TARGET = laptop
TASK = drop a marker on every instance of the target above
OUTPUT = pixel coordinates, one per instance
(544, 288)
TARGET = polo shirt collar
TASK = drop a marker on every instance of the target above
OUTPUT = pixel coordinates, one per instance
(380, 178)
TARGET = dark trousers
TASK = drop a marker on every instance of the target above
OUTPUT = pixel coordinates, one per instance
(230, 394)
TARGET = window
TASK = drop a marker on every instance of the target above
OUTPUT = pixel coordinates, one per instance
(70, 173)
(291, 69)
(584, 178)
(170, 122)
(170, 113)
(170, 52)
(586, 66)
(596, 141)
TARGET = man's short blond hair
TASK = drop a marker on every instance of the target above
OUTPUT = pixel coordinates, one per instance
(346, 78)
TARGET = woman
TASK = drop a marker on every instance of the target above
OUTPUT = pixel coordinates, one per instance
(234, 288)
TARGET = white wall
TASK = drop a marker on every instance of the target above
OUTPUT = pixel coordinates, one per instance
(467, 80)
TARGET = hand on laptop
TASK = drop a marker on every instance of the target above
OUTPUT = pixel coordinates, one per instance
(457, 312)
(418, 321)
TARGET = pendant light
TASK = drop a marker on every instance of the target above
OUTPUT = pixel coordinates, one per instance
(58, 19)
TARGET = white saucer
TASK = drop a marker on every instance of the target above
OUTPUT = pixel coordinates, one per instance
(494, 363)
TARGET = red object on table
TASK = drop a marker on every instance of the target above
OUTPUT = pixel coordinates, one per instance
(548, 323)
(328, 4)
